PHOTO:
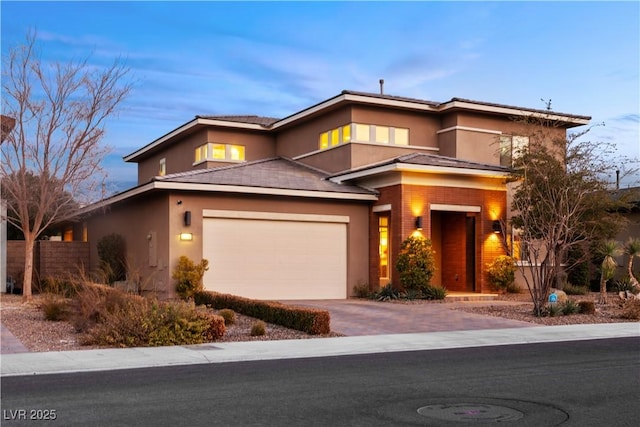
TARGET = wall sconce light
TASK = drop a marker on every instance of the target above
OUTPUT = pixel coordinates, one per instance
(496, 226)
(187, 218)
(418, 223)
(186, 237)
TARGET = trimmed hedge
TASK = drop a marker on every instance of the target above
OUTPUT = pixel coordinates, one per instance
(310, 320)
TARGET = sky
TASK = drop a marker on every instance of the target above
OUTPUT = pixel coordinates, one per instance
(277, 58)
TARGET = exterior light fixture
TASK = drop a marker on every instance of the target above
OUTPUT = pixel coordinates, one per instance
(187, 218)
(186, 237)
(418, 223)
(497, 228)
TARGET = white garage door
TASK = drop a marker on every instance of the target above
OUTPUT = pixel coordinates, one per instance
(276, 256)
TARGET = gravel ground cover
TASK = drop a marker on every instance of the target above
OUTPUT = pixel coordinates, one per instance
(26, 320)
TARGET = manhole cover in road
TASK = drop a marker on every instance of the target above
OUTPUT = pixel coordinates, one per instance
(470, 412)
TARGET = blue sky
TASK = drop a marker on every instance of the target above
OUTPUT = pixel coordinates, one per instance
(276, 58)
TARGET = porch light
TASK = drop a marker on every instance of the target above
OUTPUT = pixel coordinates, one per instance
(497, 228)
(186, 237)
(418, 223)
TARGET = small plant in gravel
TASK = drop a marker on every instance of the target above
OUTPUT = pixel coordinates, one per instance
(434, 292)
(55, 308)
(554, 310)
(258, 329)
(228, 315)
(361, 290)
(387, 293)
(570, 307)
(587, 307)
(631, 309)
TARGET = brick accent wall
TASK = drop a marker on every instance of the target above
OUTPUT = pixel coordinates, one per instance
(409, 201)
(51, 259)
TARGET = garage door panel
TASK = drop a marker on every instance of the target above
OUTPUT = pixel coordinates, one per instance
(270, 259)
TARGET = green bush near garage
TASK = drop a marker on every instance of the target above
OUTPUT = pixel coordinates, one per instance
(310, 320)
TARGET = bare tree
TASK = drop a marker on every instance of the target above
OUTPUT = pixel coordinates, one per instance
(561, 201)
(60, 110)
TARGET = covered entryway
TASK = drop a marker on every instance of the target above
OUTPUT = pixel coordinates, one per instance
(453, 230)
(267, 255)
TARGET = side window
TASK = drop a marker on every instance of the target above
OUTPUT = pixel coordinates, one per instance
(162, 167)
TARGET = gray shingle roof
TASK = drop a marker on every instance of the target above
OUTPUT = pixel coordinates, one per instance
(256, 120)
(277, 173)
(442, 161)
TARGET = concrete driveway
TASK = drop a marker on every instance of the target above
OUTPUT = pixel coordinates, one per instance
(353, 317)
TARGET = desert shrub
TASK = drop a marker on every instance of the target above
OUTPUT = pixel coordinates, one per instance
(259, 328)
(228, 315)
(310, 320)
(54, 307)
(625, 285)
(570, 307)
(416, 263)
(108, 316)
(113, 258)
(570, 289)
(502, 272)
(361, 290)
(554, 310)
(412, 294)
(65, 288)
(434, 292)
(631, 309)
(387, 293)
(188, 276)
(587, 307)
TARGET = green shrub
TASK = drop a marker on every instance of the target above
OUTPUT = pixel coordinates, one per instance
(310, 320)
(570, 289)
(387, 293)
(502, 272)
(416, 263)
(228, 315)
(625, 285)
(113, 258)
(587, 307)
(570, 307)
(259, 328)
(631, 309)
(412, 294)
(188, 276)
(434, 292)
(554, 310)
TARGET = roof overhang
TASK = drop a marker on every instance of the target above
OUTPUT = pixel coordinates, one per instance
(197, 122)
(218, 188)
(408, 167)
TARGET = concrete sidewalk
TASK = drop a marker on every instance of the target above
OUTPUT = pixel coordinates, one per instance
(131, 358)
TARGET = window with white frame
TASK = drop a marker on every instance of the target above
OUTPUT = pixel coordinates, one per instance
(219, 152)
(162, 167)
(359, 132)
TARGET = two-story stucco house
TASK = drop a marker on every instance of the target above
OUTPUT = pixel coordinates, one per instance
(311, 205)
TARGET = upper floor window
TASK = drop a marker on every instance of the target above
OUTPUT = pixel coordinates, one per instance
(162, 167)
(511, 148)
(358, 132)
(225, 152)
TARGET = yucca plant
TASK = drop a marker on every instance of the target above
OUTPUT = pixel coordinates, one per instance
(632, 248)
(609, 249)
